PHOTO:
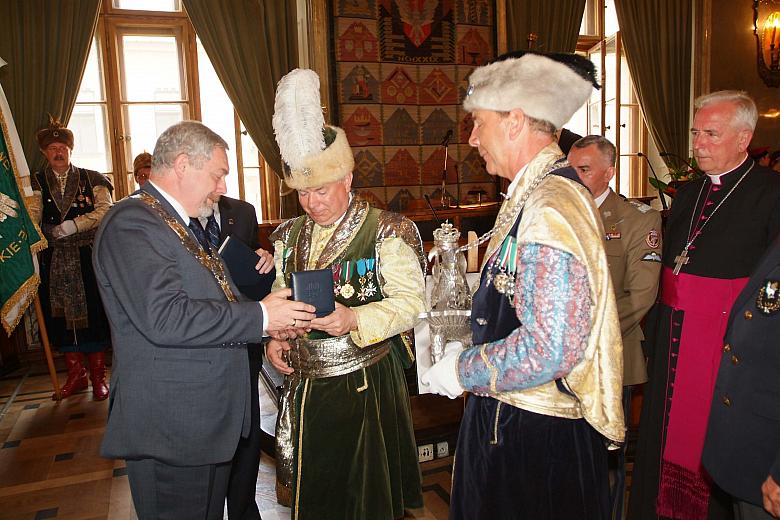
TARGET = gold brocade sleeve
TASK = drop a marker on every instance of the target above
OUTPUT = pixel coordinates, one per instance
(279, 238)
(35, 206)
(103, 202)
(404, 291)
(279, 265)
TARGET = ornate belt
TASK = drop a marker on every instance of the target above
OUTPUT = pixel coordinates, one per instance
(318, 358)
(312, 359)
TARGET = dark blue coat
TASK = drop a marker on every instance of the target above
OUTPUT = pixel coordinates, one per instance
(742, 446)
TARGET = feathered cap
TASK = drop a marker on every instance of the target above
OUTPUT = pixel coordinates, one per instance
(54, 133)
(314, 152)
(550, 87)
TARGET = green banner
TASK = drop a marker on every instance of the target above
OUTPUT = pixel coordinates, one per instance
(19, 241)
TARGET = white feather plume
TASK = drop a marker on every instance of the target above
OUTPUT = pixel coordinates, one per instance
(298, 119)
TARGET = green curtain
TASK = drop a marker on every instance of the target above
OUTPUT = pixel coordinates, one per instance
(657, 41)
(555, 22)
(252, 44)
(46, 44)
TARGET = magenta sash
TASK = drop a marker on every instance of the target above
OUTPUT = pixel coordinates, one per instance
(694, 358)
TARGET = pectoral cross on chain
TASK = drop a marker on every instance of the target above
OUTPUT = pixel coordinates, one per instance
(681, 260)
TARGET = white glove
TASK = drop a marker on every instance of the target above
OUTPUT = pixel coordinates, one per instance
(442, 377)
(65, 229)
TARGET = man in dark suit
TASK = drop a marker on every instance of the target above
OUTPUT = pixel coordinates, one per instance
(228, 217)
(742, 446)
(179, 329)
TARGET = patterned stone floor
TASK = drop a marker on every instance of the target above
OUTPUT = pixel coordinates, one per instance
(50, 465)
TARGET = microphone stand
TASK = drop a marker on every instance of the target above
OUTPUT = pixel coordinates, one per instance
(435, 216)
(445, 143)
(660, 193)
(685, 162)
(444, 179)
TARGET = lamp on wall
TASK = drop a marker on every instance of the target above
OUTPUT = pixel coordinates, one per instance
(766, 27)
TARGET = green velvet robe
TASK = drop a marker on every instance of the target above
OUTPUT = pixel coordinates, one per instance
(354, 455)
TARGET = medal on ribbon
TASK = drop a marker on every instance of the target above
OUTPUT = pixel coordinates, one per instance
(504, 280)
(361, 269)
(346, 290)
(336, 279)
(367, 287)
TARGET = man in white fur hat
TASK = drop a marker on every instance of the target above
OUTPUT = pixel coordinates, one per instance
(345, 440)
(546, 363)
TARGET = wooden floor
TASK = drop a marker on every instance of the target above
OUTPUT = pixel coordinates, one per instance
(50, 465)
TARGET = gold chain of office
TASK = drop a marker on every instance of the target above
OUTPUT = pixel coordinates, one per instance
(212, 263)
(509, 216)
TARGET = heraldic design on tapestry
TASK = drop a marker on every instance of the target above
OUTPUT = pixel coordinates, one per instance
(402, 69)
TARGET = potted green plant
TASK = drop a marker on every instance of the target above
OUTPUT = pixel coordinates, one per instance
(680, 172)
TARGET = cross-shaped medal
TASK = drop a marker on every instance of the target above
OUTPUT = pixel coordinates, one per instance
(680, 260)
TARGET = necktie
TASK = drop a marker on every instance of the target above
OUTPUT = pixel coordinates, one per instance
(212, 232)
(200, 234)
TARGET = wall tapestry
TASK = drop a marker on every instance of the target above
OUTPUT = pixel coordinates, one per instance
(401, 72)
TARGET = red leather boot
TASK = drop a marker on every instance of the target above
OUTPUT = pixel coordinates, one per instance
(77, 374)
(97, 372)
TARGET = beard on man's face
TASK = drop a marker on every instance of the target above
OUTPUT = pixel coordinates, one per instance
(206, 209)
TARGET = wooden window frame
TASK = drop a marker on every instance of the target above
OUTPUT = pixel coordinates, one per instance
(113, 23)
(637, 185)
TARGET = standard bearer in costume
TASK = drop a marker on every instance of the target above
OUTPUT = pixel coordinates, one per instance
(345, 441)
(546, 365)
(72, 203)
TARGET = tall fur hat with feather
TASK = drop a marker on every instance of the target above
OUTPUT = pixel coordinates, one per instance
(315, 153)
(546, 86)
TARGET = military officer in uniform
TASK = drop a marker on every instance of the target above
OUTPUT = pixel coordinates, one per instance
(633, 245)
(742, 446)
